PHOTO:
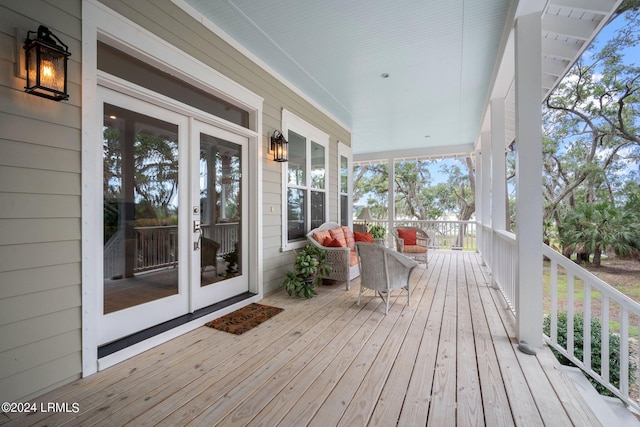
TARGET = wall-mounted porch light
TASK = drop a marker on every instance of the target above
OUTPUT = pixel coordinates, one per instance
(279, 147)
(46, 60)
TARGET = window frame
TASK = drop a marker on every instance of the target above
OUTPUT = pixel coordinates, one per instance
(311, 134)
(345, 151)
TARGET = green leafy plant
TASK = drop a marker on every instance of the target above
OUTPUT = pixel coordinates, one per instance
(310, 261)
(596, 353)
(231, 258)
(378, 231)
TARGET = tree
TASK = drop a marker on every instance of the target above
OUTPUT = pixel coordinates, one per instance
(591, 125)
(592, 228)
(417, 195)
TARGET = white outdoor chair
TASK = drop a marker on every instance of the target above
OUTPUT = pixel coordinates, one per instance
(383, 270)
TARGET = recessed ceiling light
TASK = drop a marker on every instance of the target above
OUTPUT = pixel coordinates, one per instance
(384, 75)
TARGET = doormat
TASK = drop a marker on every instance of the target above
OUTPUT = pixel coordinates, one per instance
(244, 319)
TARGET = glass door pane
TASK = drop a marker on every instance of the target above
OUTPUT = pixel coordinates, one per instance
(219, 197)
(140, 181)
(220, 209)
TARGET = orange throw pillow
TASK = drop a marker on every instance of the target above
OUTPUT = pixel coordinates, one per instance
(321, 236)
(338, 234)
(363, 237)
(409, 236)
(332, 243)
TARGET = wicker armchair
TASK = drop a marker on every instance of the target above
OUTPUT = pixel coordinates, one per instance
(418, 251)
(209, 253)
(339, 260)
(383, 270)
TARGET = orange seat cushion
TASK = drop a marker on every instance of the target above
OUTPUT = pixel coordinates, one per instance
(409, 236)
(415, 249)
(321, 236)
(348, 236)
(363, 237)
(353, 259)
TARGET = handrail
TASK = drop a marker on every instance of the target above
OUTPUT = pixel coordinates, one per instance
(581, 282)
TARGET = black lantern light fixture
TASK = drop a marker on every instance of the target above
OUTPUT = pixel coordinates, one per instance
(279, 147)
(46, 61)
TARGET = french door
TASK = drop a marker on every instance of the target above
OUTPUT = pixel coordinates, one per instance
(219, 172)
(174, 215)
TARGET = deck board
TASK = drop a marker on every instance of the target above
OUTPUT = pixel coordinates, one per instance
(449, 357)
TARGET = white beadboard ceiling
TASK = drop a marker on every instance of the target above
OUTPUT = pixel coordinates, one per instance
(445, 59)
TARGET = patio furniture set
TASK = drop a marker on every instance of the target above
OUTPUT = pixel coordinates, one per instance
(353, 253)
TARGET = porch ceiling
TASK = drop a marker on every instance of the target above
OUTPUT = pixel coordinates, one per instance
(445, 61)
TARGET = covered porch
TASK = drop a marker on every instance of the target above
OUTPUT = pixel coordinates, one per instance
(450, 357)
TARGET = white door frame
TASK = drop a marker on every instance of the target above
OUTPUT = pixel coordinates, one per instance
(100, 22)
(124, 322)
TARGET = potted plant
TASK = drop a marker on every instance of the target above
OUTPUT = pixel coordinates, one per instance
(231, 258)
(310, 261)
(378, 232)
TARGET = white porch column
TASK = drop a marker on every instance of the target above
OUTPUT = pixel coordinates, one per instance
(478, 195)
(528, 91)
(480, 236)
(498, 166)
(391, 201)
(485, 148)
(485, 198)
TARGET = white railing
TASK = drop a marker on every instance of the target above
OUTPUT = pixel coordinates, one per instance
(572, 289)
(157, 247)
(226, 234)
(114, 255)
(455, 235)
(504, 261)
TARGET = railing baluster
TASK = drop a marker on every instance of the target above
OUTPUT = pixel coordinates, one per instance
(586, 349)
(554, 301)
(604, 352)
(624, 351)
(570, 308)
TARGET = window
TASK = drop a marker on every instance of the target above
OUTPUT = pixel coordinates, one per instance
(345, 184)
(305, 195)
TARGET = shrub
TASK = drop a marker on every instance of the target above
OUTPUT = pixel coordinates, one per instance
(596, 348)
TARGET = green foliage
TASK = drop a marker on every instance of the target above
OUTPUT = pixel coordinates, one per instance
(596, 352)
(310, 261)
(417, 194)
(231, 258)
(378, 231)
(591, 126)
(593, 228)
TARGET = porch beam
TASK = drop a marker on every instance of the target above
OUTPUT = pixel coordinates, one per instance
(528, 66)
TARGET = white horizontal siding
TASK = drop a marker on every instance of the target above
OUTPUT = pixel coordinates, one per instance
(40, 225)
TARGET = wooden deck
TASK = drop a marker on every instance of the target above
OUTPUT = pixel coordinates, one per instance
(449, 358)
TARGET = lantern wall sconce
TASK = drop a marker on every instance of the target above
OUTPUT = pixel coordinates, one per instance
(46, 61)
(279, 147)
